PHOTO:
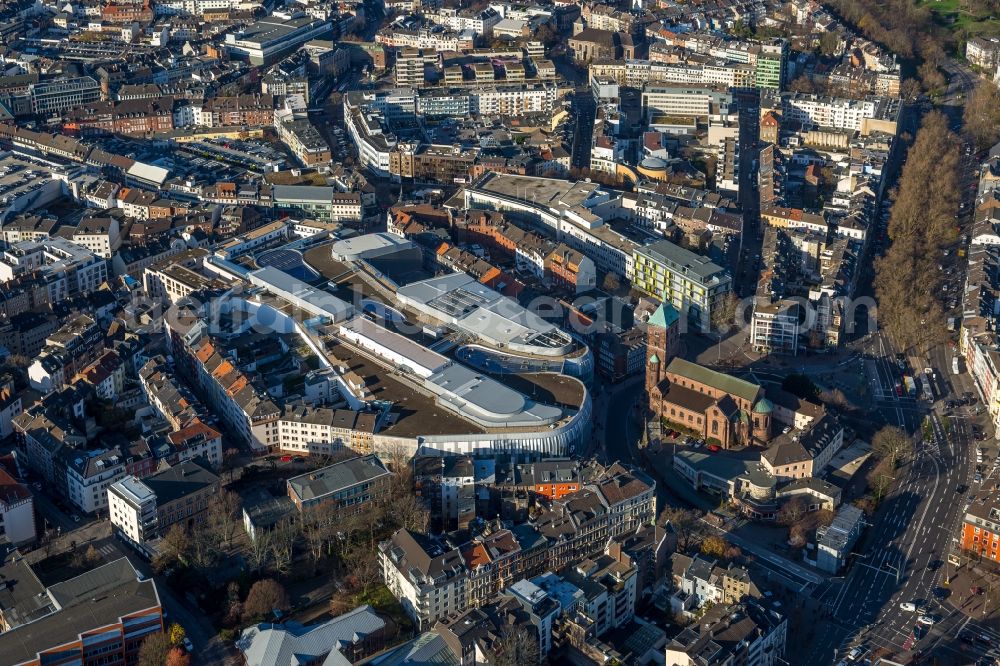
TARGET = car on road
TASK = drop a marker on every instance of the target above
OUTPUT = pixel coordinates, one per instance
(929, 620)
(854, 653)
(188, 646)
(908, 606)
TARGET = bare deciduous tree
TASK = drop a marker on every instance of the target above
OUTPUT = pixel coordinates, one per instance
(224, 517)
(892, 444)
(362, 564)
(517, 647)
(283, 539)
(259, 551)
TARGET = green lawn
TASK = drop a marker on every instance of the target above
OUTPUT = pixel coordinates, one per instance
(380, 598)
(952, 15)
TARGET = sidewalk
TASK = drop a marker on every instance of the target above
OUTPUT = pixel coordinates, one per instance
(983, 607)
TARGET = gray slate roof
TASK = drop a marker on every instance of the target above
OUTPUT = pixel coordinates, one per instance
(292, 643)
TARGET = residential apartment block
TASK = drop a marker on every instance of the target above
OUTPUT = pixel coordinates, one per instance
(143, 509)
(689, 282)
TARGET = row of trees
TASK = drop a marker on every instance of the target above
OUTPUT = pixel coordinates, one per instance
(982, 114)
(312, 535)
(921, 224)
(907, 28)
(202, 547)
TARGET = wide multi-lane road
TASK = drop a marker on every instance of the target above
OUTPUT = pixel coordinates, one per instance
(903, 552)
(903, 556)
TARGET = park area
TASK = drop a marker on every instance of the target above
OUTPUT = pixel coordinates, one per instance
(964, 18)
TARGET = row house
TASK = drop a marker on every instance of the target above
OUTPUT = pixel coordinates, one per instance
(426, 575)
(528, 248)
(17, 510)
(132, 117)
(576, 527)
(136, 203)
(752, 633)
(303, 429)
(67, 351)
(466, 262)
(127, 14)
(99, 234)
(10, 405)
(105, 376)
(240, 110)
(248, 412)
(493, 561)
(570, 268)
(171, 398)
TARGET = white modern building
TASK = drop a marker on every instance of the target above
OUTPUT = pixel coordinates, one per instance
(88, 475)
(67, 269)
(269, 39)
(427, 579)
(132, 508)
(143, 510)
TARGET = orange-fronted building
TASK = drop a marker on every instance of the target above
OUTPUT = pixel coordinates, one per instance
(980, 531)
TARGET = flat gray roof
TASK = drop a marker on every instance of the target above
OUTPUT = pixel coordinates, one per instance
(551, 192)
(296, 292)
(317, 193)
(419, 354)
(486, 400)
(463, 301)
(133, 490)
(683, 260)
(370, 245)
(272, 29)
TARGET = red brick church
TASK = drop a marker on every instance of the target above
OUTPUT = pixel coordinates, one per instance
(724, 409)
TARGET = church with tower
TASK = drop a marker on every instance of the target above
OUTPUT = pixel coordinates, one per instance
(725, 410)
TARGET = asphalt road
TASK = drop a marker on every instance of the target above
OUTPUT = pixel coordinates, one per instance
(903, 554)
(583, 135)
